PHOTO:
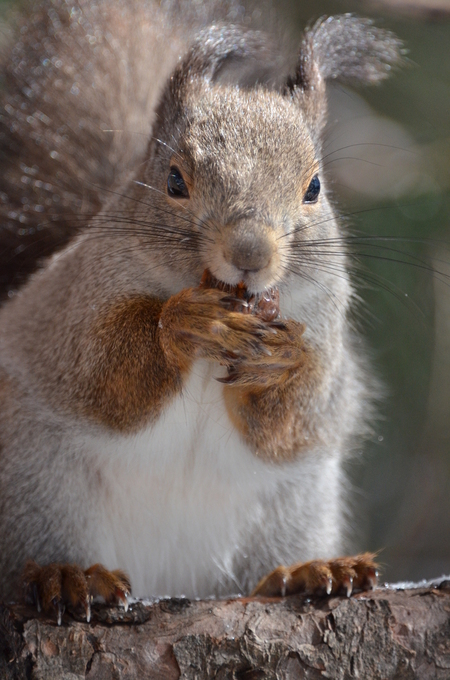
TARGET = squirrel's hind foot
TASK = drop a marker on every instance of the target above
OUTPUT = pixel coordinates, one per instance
(343, 575)
(55, 586)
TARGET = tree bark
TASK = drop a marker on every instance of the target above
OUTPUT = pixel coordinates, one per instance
(384, 634)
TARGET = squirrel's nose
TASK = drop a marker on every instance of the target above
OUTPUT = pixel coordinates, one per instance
(249, 251)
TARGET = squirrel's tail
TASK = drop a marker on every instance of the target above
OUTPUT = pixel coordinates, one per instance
(80, 84)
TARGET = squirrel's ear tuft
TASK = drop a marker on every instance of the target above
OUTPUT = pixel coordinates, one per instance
(217, 48)
(345, 48)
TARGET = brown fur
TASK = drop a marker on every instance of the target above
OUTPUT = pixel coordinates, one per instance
(100, 344)
(320, 577)
(54, 586)
(267, 413)
(130, 379)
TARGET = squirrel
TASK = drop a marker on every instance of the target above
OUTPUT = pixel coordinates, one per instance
(180, 383)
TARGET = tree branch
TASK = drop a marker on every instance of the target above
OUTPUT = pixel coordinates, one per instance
(379, 635)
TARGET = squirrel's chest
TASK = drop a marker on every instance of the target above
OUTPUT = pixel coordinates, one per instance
(176, 498)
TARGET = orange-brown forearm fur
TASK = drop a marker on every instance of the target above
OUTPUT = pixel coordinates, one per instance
(277, 419)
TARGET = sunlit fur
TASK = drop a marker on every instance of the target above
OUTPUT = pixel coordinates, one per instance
(186, 503)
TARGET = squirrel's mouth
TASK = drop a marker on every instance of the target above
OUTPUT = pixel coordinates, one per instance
(265, 304)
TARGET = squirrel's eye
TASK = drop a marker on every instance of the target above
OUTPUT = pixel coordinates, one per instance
(176, 187)
(313, 191)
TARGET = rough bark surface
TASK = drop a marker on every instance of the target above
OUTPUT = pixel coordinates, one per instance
(398, 634)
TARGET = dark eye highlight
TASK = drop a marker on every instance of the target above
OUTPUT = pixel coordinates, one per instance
(176, 186)
(313, 191)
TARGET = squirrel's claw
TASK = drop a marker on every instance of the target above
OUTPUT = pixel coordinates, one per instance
(59, 609)
(233, 303)
(281, 325)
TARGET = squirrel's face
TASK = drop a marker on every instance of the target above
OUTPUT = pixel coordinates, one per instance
(236, 171)
(246, 174)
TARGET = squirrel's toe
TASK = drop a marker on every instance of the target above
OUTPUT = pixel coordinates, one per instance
(343, 575)
(54, 587)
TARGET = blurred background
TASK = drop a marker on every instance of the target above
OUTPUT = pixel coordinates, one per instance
(387, 154)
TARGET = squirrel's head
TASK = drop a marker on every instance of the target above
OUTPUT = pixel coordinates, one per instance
(236, 170)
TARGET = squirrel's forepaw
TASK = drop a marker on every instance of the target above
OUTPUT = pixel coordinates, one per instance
(198, 322)
(318, 577)
(55, 586)
(283, 352)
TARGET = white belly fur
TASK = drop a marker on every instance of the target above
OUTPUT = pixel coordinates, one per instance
(175, 497)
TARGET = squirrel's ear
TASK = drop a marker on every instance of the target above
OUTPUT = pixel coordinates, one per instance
(218, 51)
(345, 48)
(218, 48)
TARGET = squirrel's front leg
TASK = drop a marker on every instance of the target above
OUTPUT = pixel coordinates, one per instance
(271, 398)
(274, 376)
(139, 351)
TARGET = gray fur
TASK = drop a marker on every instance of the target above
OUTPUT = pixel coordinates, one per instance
(250, 147)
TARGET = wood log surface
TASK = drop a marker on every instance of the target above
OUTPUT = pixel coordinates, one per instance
(383, 634)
